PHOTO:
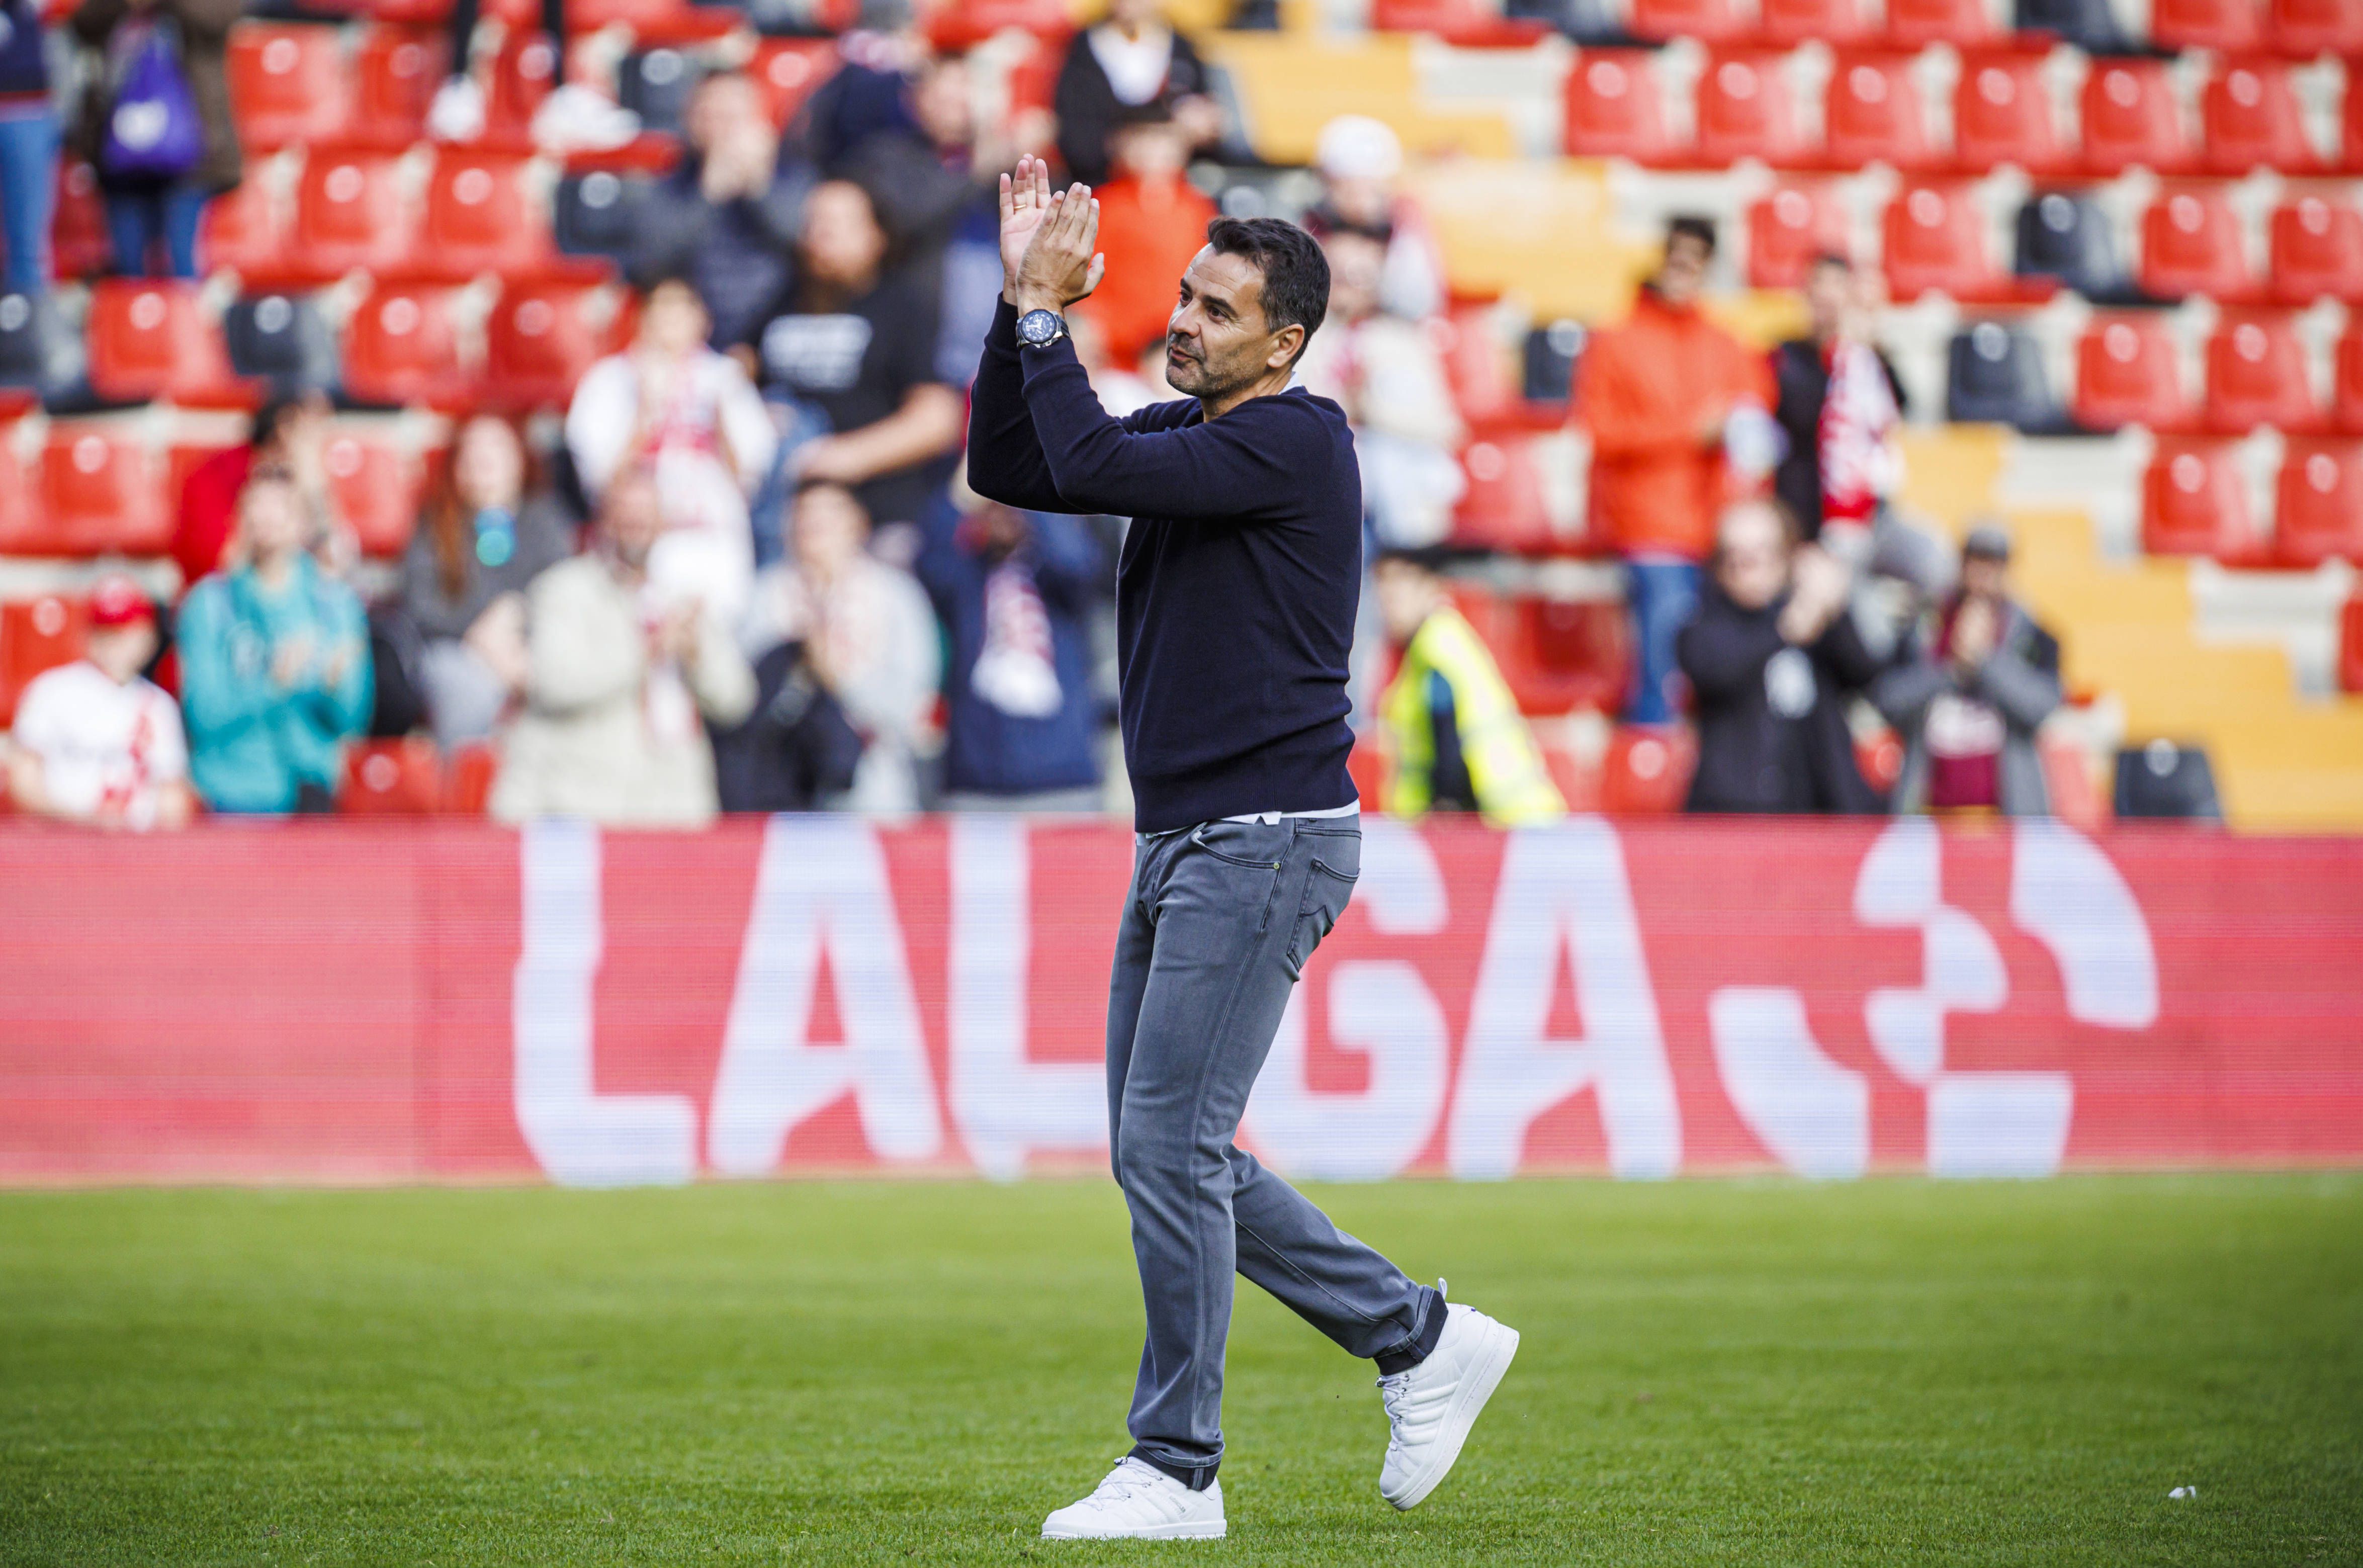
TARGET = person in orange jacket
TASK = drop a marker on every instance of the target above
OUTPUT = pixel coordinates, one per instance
(1663, 393)
(1152, 221)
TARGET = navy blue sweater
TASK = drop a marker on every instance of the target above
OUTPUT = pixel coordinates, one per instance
(1236, 591)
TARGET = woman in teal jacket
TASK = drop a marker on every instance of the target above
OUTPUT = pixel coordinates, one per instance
(274, 665)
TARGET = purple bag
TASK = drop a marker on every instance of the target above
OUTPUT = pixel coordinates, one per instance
(153, 130)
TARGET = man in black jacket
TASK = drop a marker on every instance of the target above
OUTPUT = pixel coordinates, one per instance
(1771, 657)
(1234, 602)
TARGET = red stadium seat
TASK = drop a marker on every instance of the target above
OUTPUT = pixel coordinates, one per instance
(1708, 21)
(2318, 252)
(1787, 228)
(349, 215)
(2191, 244)
(2350, 645)
(2346, 379)
(241, 232)
(2227, 27)
(151, 339)
(1648, 770)
(468, 773)
(1505, 508)
(1936, 241)
(2131, 119)
(1787, 23)
(540, 338)
(1744, 110)
(2127, 374)
(791, 71)
(286, 84)
(1871, 113)
(653, 22)
(104, 494)
(1562, 654)
(2257, 375)
(78, 246)
(1916, 24)
(392, 778)
(2302, 29)
(24, 526)
(2194, 501)
(1468, 24)
(477, 220)
(400, 349)
(398, 69)
(1614, 108)
(2318, 503)
(2249, 118)
(963, 24)
(2002, 114)
(1477, 366)
(36, 635)
(377, 489)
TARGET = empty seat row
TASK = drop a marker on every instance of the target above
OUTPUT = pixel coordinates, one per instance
(1874, 112)
(2195, 502)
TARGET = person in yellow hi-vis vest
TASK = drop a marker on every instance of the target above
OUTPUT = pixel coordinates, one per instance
(1452, 728)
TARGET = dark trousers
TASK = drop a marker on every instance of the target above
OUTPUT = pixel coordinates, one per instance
(1217, 925)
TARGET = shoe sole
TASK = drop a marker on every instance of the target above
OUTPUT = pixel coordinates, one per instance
(1180, 1530)
(1468, 1404)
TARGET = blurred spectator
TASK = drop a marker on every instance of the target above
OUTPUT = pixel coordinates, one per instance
(157, 124)
(1452, 729)
(1771, 658)
(1662, 394)
(1388, 376)
(857, 348)
(291, 434)
(28, 146)
(618, 672)
(1016, 591)
(485, 535)
(795, 750)
(1152, 221)
(1841, 406)
(94, 742)
(1970, 696)
(572, 116)
(1130, 61)
(726, 219)
(869, 637)
(274, 663)
(672, 405)
(1360, 161)
(867, 93)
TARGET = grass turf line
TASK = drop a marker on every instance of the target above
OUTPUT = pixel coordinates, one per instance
(1891, 1372)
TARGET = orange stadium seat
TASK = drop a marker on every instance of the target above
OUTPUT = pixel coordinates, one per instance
(1871, 113)
(349, 215)
(1786, 23)
(2350, 645)
(2227, 27)
(2195, 503)
(241, 232)
(1787, 227)
(1648, 770)
(400, 349)
(396, 74)
(2257, 375)
(2191, 243)
(2132, 120)
(1466, 24)
(2318, 503)
(1615, 108)
(1503, 507)
(2317, 251)
(1916, 24)
(151, 339)
(791, 71)
(78, 246)
(539, 341)
(2304, 29)
(2249, 119)
(1744, 110)
(477, 220)
(2002, 114)
(392, 778)
(36, 635)
(286, 84)
(2127, 374)
(1708, 21)
(104, 493)
(377, 489)
(1934, 242)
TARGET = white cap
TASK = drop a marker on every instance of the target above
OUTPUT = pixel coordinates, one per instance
(1356, 147)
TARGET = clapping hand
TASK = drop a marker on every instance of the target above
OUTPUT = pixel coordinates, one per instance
(1048, 261)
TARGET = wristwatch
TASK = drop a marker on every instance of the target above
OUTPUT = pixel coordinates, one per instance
(1040, 328)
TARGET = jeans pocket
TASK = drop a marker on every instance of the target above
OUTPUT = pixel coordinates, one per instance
(1327, 890)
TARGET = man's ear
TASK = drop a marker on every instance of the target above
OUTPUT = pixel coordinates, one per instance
(1286, 344)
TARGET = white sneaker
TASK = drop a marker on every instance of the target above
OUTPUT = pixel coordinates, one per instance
(576, 119)
(458, 111)
(1431, 1408)
(1139, 1502)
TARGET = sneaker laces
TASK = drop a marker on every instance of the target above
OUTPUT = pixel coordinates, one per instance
(1129, 1476)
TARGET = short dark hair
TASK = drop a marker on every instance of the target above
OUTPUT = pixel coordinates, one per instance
(1838, 258)
(1296, 272)
(1692, 226)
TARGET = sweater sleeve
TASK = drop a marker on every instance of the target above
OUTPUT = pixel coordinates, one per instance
(1004, 455)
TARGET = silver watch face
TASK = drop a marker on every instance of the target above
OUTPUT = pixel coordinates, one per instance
(1041, 326)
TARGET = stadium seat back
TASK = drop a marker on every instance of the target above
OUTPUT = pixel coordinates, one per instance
(351, 215)
(1708, 21)
(1787, 23)
(1505, 507)
(400, 347)
(2318, 503)
(281, 339)
(654, 84)
(392, 778)
(961, 24)
(286, 84)
(2194, 501)
(1994, 376)
(790, 70)
(2304, 29)
(103, 492)
(477, 218)
(24, 526)
(2090, 25)
(241, 231)
(2227, 27)
(1615, 108)
(1476, 366)
(2257, 375)
(468, 773)
(1787, 227)
(2067, 237)
(36, 635)
(78, 246)
(149, 338)
(1648, 770)
(2318, 252)
(540, 338)
(2131, 119)
(1470, 24)
(2002, 114)
(2249, 119)
(1551, 354)
(38, 352)
(1872, 113)
(377, 489)
(1917, 24)
(1745, 111)
(2127, 374)
(396, 74)
(2191, 244)
(2346, 379)
(2350, 645)
(1562, 654)
(1935, 239)
(599, 213)
(2165, 782)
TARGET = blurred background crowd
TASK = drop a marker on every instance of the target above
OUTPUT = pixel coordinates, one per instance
(426, 405)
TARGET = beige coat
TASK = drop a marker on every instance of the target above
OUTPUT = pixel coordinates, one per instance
(585, 745)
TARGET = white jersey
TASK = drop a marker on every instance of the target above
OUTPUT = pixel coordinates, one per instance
(102, 747)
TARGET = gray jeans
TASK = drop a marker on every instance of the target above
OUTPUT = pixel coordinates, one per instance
(1217, 925)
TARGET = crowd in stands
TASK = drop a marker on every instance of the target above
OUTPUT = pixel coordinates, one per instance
(742, 572)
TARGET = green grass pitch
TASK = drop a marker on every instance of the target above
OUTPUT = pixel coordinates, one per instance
(1891, 1372)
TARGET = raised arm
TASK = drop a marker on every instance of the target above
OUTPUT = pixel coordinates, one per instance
(1004, 457)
